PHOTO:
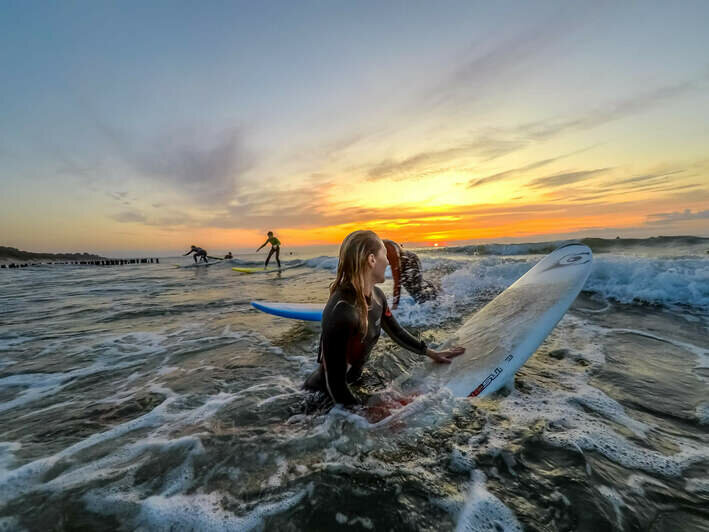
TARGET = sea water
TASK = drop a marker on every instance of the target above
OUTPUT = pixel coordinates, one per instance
(155, 398)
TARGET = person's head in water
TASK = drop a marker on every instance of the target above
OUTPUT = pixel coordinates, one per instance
(362, 263)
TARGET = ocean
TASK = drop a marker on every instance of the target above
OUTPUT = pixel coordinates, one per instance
(150, 397)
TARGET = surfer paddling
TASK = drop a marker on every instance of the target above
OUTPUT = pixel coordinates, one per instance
(406, 271)
(354, 316)
(275, 248)
(198, 252)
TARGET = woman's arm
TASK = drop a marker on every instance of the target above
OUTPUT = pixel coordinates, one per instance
(400, 335)
(406, 340)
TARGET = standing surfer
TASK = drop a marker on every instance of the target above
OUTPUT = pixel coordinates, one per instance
(198, 252)
(354, 316)
(275, 248)
(406, 270)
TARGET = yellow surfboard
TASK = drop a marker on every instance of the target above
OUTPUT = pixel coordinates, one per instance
(253, 270)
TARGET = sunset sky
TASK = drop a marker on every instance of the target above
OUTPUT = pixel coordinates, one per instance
(129, 126)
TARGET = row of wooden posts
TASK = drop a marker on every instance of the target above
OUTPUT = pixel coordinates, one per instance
(102, 262)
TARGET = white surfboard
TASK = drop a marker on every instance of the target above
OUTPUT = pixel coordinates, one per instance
(508, 330)
(196, 265)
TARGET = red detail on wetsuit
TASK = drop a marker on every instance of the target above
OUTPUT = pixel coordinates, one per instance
(387, 312)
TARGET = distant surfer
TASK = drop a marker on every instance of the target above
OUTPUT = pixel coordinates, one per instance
(406, 270)
(198, 252)
(228, 256)
(275, 248)
(354, 316)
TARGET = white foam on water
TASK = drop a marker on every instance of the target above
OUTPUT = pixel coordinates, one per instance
(636, 482)
(576, 415)
(7, 448)
(667, 281)
(164, 419)
(40, 385)
(364, 522)
(279, 476)
(322, 263)
(200, 511)
(483, 512)
(616, 500)
(703, 413)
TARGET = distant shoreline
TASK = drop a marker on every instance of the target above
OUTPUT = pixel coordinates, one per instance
(9, 255)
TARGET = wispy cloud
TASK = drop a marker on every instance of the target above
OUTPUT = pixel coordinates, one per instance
(520, 170)
(487, 64)
(629, 106)
(129, 217)
(206, 173)
(669, 217)
(484, 148)
(565, 178)
(506, 141)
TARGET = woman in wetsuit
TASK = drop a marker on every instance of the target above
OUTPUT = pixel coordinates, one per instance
(275, 248)
(354, 316)
(406, 271)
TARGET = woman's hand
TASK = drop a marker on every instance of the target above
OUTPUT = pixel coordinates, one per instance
(445, 357)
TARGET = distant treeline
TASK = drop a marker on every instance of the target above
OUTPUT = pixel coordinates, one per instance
(18, 255)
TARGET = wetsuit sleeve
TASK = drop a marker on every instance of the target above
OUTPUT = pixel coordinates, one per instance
(393, 258)
(400, 335)
(339, 328)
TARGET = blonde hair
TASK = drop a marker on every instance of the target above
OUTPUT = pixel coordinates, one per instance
(354, 252)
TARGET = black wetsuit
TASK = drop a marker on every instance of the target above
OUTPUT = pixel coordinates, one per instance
(343, 352)
(198, 252)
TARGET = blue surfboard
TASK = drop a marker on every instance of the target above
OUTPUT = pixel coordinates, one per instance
(296, 311)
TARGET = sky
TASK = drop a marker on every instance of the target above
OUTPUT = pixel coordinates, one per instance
(149, 126)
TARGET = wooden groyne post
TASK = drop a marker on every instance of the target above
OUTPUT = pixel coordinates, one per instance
(102, 262)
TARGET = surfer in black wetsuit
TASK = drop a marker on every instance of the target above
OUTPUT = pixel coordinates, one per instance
(354, 316)
(406, 270)
(198, 252)
(228, 256)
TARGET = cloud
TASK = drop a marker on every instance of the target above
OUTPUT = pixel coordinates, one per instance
(119, 196)
(506, 141)
(507, 173)
(565, 178)
(646, 177)
(632, 105)
(129, 217)
(669, 217)
(488, 64)
(206, 171)
(484, 147)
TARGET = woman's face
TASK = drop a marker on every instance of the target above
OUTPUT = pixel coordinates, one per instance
(378, 262)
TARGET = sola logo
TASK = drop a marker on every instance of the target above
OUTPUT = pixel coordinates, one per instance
(576, 258)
